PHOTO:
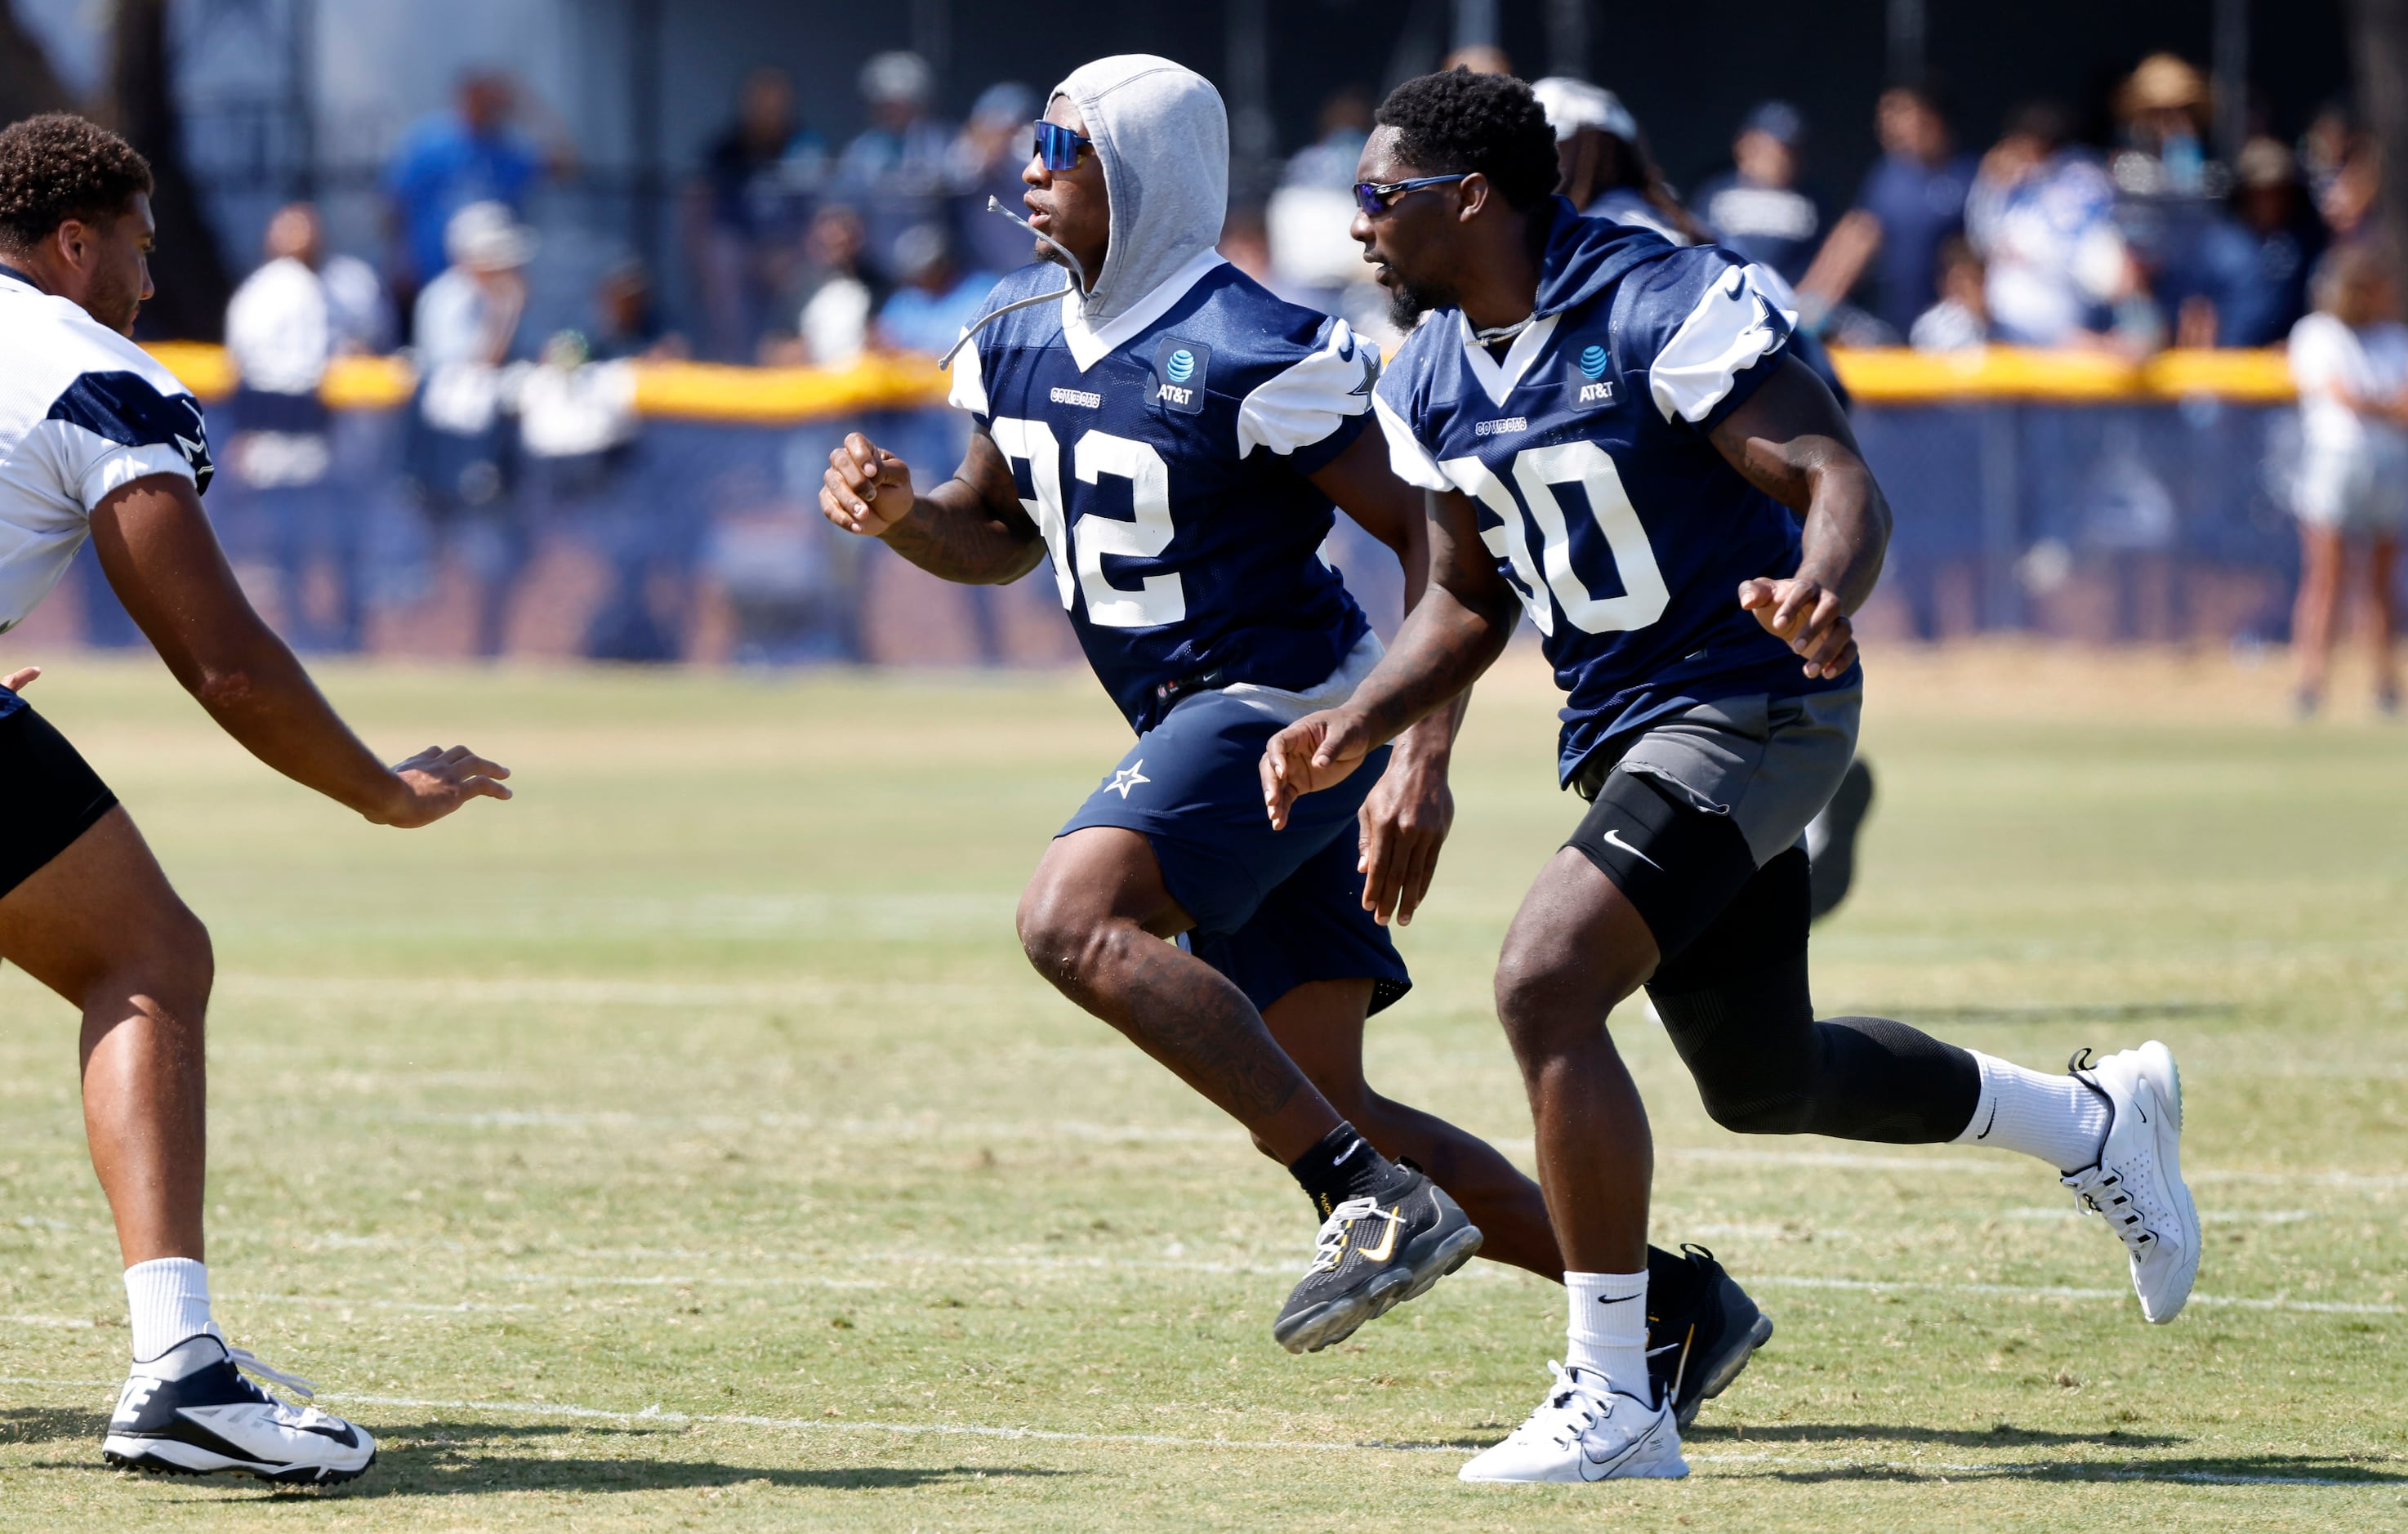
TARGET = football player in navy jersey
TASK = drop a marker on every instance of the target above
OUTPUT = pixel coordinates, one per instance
(1170, 438)
(1616, 435)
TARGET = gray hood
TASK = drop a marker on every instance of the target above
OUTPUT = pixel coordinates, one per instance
(1163, 136)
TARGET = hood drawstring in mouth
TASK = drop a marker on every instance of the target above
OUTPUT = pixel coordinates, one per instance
(1078, 284)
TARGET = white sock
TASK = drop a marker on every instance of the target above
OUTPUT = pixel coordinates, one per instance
(1609, 1329)
(2055, 1118)
(169, 1298)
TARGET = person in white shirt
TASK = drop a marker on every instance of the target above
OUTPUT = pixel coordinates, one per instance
(98, 441)
(2349, 361)
(281, 330)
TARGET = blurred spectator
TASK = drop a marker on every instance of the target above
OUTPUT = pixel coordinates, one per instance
(1315, 260)
(1960, 320)
(2163, 111)
(2349, 360)
(2326, 148)
(2348, 198)
(281, 335)
(1757, 207)
(471, 154)
(1608, 172)
(2043, 217)
(840, 292)
(894, 170)
(1479, 58)
(927, 311)
(627, 321)
(458, 456)
(987, 158)
(2246, 282)
(756, 177)
(1911, 204)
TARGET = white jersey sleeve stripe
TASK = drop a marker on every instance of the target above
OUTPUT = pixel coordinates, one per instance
(1734, 327)
(1304, 404)
(967, 390)
(1411, 460)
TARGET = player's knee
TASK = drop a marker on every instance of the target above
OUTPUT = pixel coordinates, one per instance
(1060, 931)
(1545, 994)
(168, 959)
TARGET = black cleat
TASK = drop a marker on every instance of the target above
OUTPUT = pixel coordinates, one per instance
(1831, 838)
(1697, 1353)
(190, 1411)
(1374, 1254)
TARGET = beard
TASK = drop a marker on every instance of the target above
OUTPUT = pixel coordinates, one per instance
(1408, 303)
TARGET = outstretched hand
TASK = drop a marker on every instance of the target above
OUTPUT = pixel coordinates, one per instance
(1316, 751)
(436, 781)
(1807, 616)
(866, 489)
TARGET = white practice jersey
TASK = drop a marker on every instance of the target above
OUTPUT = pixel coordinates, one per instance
(83, 411)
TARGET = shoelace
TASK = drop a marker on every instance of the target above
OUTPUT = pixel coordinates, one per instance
(2103, 1193)
(1565, 1418)
(244, 1359)
(1330, 1245)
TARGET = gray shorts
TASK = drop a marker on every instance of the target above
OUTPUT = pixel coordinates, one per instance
(1769, 763)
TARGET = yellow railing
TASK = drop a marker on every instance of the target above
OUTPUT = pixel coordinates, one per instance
(780, 396)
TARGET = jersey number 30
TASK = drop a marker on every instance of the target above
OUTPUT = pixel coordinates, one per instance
(1159, 600)
(1536, 473)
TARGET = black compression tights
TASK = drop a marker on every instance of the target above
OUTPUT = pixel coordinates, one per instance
(1737, 1006)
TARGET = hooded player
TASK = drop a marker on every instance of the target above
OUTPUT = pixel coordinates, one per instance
(1171, 439)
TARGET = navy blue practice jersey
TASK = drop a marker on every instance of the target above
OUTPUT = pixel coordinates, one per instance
(1585, 451)
(1163, 454)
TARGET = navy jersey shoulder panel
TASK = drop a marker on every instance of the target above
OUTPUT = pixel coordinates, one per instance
(124, 409)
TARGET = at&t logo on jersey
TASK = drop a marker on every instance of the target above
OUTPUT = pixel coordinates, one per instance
(1597, 389)
(1179, 368)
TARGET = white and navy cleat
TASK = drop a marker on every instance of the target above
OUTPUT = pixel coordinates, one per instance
(190, 1411)
(1583, 1431)
(2137, 1186)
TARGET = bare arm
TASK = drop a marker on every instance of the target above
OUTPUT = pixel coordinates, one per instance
(163, 560)
(1408, 812)
(1792, 442)
(1453, 633)
(1850, 247)
(972, 528)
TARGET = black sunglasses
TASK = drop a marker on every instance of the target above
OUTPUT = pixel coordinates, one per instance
(1376, 197)
(1057, 148)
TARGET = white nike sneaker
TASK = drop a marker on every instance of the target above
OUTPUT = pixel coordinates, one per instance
(1585, 1432)
(2137, 1186)
(190, 1411)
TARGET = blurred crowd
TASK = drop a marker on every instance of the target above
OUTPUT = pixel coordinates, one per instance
(2123, 235)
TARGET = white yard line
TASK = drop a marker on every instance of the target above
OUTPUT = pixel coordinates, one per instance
(656, 1415)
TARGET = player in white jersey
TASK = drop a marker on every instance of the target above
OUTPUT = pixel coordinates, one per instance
(99, 441)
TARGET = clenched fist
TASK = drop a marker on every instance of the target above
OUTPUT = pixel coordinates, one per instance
(866, 489)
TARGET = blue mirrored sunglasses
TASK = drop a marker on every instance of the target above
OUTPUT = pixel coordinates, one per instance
(1058, 148)
(1376, 197)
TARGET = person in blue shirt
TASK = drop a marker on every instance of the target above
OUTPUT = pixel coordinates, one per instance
(449, 162)
(1620, 446)
(1911, 205)
(1757, 207)
(1169, 442)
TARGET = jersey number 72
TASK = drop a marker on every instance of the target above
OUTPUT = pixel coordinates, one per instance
(1536, 473)
(1159, 600)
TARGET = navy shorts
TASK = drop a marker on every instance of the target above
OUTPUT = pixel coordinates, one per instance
(1273, 910)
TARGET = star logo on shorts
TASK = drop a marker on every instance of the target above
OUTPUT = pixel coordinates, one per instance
(1129, 778)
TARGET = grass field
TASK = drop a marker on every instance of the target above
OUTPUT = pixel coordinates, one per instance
(688, 1143)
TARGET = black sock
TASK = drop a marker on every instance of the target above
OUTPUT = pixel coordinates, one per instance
(1342, 1166)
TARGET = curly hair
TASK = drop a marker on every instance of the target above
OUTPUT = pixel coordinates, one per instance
(1462, 121)
(60, 167)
